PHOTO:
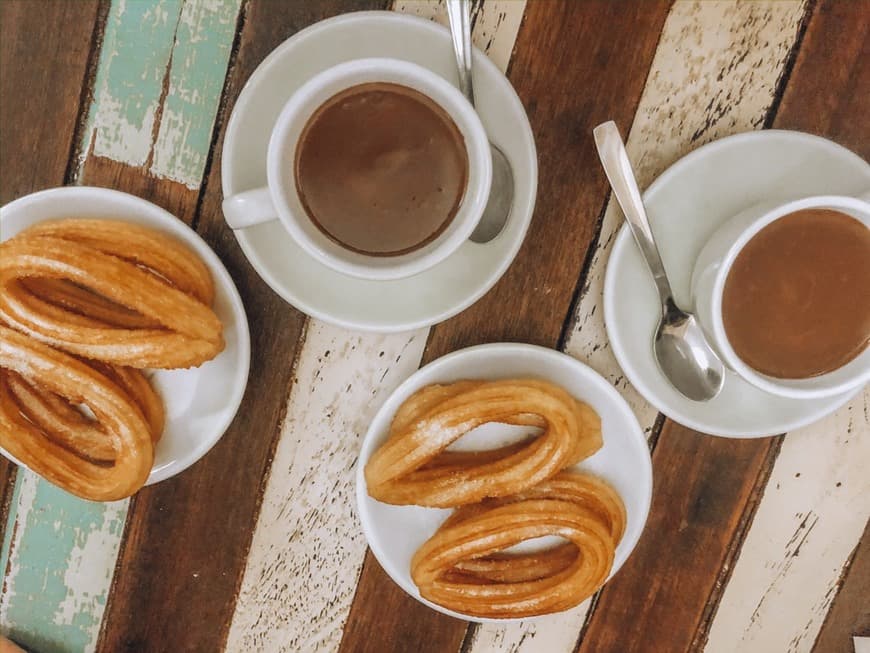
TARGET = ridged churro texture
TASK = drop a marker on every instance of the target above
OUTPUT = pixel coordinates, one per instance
(85, 304)
(502, 497)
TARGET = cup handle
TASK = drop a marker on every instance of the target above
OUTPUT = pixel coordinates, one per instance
(249, 208)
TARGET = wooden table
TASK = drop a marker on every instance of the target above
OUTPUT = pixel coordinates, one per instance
(751, 546)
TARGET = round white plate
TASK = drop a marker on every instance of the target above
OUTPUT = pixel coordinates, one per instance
(381, 306)
(685, 205)
(394, 533)
(200, 402)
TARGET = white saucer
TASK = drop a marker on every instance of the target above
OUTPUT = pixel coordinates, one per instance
(685, 205)
(200, 402)
(394, 533)
(382, 306)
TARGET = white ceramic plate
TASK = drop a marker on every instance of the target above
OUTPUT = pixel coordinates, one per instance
(200, 402)
(394, 533)
(381, 306)
(685, 206)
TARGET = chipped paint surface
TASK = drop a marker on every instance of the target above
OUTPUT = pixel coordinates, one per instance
(137, 47)
(308, 545)
(307, 529)
(495, 23)
(196, 77)
(158, 84)
(160, 75)
(713, 74)
(55, 588)
(810, 518)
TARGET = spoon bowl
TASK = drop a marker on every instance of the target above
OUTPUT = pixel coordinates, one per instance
(680, 347)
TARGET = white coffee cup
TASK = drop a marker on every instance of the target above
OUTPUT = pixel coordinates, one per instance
(280, 199)
(708, 283)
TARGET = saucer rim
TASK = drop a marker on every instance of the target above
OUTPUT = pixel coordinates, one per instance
(263, 269)
(623, 240)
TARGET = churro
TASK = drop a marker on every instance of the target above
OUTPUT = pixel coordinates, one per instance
(412, 466)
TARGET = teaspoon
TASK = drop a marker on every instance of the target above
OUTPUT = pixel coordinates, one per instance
(681, 350)
(501, 194)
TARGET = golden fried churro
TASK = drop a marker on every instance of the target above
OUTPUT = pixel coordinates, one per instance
(189, 334)
(412, 466)
(464, 567)
(65, 295)
(77, 383)
(146, 247)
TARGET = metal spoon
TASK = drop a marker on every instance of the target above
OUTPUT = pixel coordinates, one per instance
(501, 194)
(681, 350)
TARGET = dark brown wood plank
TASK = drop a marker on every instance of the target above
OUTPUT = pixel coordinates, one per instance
(44, 49)
(663, 588)
(849, 615)
(669, 588)
(44, 55)
(187, 538)
(567, 90)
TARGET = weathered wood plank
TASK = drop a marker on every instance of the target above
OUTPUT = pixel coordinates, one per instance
(136, 52)
(203, 38)
(308, 545)
(737, 50)
(187, 539)
(850, 611)
(817, 501)
(43, 62)
(567, 90)
(40, 96)
(793, 112)
(56, 577)
(63, 553)
(340, 380)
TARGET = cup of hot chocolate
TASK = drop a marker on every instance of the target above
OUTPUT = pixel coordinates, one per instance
(782, 291)
(378, 168)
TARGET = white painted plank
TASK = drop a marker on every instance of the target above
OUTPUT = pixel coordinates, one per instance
(811, 517)
(307, 549)
(308, 545)
(713, 74)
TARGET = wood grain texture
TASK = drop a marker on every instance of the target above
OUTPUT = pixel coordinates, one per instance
(39, 106)
(41, 93)
(715, 75)
(717, 49)
(701, 491)
(817, 502)
(40, 90)
(187, 538)
(341, 378)
(849, 615)
(670, 473)
(566, 91)
(307, 548)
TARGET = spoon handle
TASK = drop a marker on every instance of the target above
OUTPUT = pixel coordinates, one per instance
(617, 167)
(459, 13)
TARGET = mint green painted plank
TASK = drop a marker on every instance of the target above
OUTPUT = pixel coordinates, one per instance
(59, 552)
(55, 589)
(137, 47)
(199, 63)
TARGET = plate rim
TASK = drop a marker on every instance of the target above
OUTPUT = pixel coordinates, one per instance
(623, 241)
(203, 249)
(242, 103)
(515, 348)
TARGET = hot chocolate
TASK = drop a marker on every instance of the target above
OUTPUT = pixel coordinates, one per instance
(381, 169)
(796, 302)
